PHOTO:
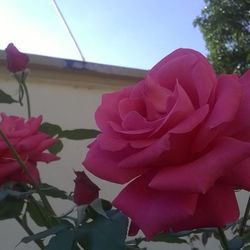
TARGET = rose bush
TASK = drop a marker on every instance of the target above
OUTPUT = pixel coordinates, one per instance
(29, 143)
(16, 61)
(181, 138)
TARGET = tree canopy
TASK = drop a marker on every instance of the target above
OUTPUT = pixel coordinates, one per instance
(225, 25)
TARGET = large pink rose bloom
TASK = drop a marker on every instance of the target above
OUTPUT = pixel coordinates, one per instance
(29, 143)
(181, 138)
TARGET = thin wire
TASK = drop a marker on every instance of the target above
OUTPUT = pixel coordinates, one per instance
(68, 28)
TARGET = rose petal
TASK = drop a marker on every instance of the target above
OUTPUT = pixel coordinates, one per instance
(133, 229)
(134, 121)
(8, 168)
(128, 105)
(156, 95)
(180, 111)
(47, 157)
(152, 210)
(144, 158)
(30, 142)
(104, 164)
(192, 71)
(238, 176)
(21, 176)
(199, 175)
(241, 123)
(217, 208)
(109, 108)
(226, 106)
(191, 122)
(111, 143)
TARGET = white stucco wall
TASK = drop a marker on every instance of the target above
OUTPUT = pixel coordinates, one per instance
(70, 106)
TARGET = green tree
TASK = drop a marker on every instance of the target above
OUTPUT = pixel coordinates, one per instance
(225, 25)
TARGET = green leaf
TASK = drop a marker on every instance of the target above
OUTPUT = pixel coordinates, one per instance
(98, 207)
(56, 148)
(135, 248)
(246, 248)
(10, 208)
(3, 194)
(53, 191)
(168, 237)
(5, 98)
(235, 244)
(50, 129)
(79, 134)
(205, 236)
(34, 208)
(63, 240)
(103, 233)
(44, 234)
(107, 205)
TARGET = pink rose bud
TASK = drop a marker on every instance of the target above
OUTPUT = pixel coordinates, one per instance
(16, 61)
(85, 190)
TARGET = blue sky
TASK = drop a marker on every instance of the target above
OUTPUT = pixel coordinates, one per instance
(131, 33)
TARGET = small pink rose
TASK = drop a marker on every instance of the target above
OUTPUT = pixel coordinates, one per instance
(30, 144)
(85, 190)
(180, 138)
(16, 61)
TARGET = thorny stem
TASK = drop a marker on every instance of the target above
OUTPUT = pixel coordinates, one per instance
(223, 239)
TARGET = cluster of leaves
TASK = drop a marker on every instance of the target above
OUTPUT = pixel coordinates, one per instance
(225, 25)
(97, 226)
(101, 227)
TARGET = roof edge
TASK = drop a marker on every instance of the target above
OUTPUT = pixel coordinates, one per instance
(75, 65)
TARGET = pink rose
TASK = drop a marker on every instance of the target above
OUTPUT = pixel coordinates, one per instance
(16, 61)
(85, 190)
(29, 143)
(181, 138)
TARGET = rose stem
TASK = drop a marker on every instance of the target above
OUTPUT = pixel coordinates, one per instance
(25, 169)
(245, 218)
(42, 196)
(26, 93)
(223, 239)
(29, 231)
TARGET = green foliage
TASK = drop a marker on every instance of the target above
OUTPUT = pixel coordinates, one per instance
(79, 134)
(104, 233)
(56, 148)
(74, 134)
(50, 129)
(101, 233)
(235, 243)
(63, 241)
(37, 212)
(5, 98)
(169, 238)
(46, 233)
(225, 25)
(205, 236)
(10, 208)
(52, 191)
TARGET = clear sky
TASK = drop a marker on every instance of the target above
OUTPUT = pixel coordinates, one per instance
(132, 33)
